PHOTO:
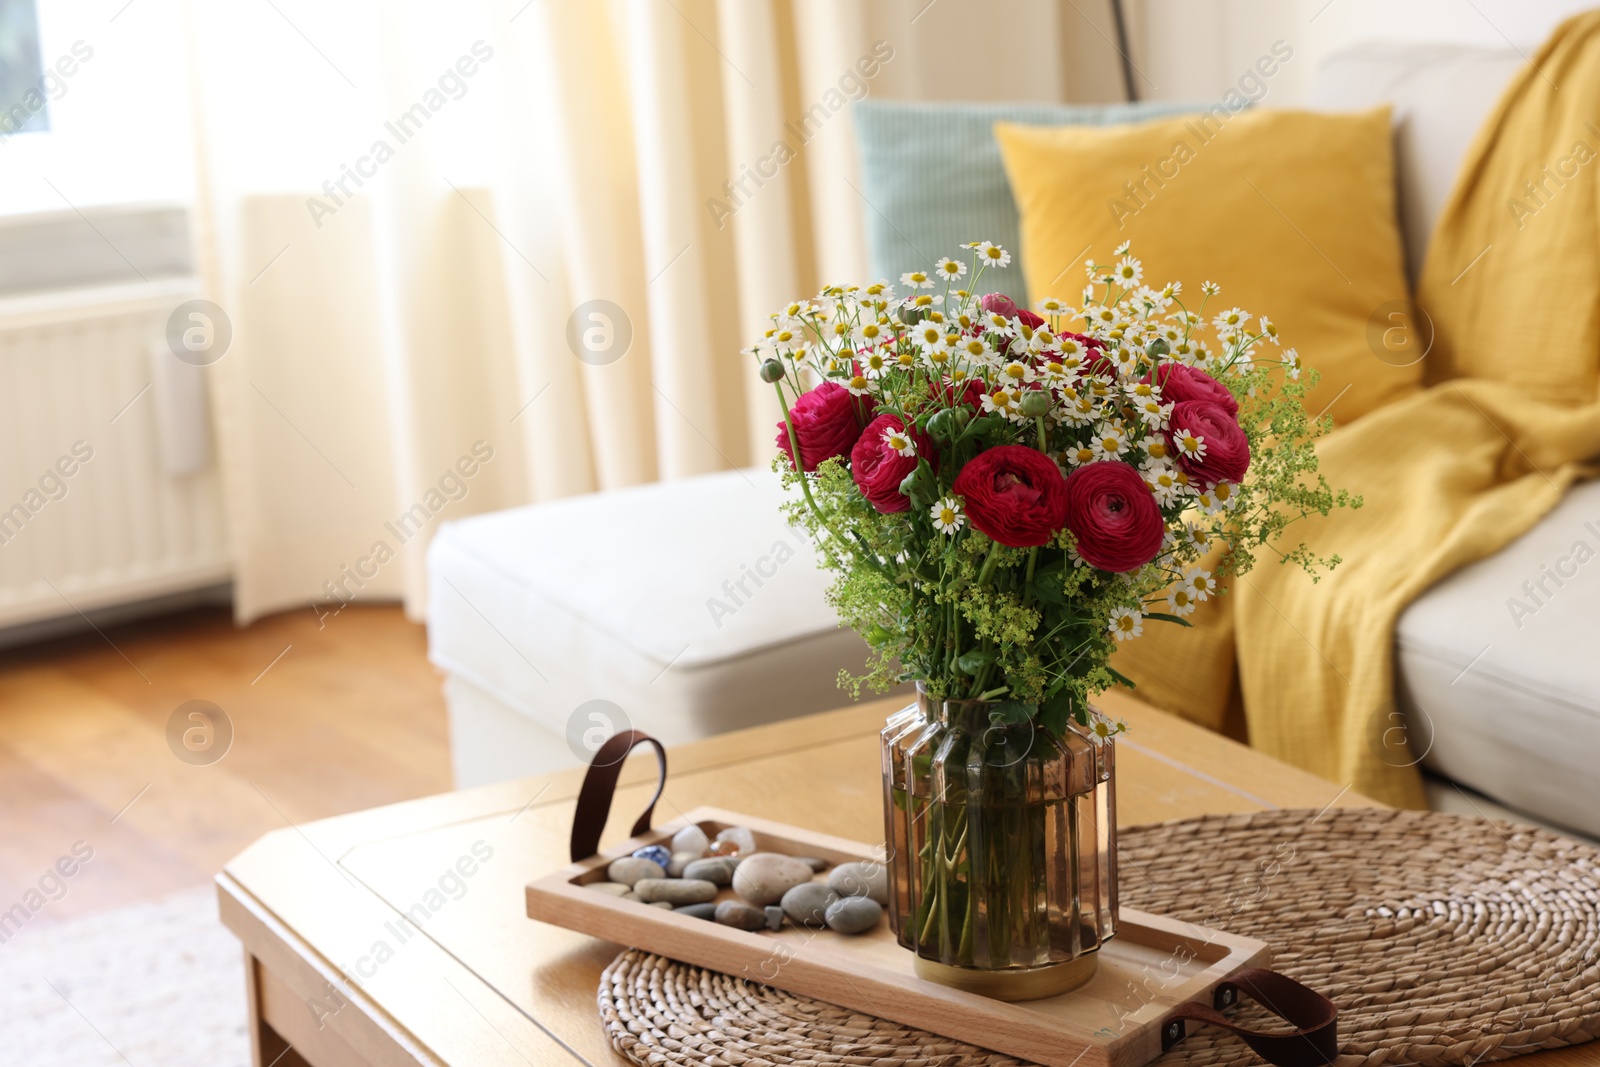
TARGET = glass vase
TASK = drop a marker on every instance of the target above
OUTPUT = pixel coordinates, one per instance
(1001, 843)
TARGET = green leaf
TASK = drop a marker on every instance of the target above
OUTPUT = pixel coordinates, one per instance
(975, 661)
(1008, 712)
(1047, 589)
(1121, 679)
(1167, 618)
(1055, 711)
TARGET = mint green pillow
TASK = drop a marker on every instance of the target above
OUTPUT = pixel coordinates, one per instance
(932, 180)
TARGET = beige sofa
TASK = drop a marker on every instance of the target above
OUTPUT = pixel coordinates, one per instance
(689, 608)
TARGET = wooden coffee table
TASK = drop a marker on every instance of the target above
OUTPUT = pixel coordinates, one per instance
(469, 981)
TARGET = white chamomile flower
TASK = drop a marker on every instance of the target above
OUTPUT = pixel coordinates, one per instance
(1016, 374)
(869, 334)
(1292, 365)
(928, 334)
(876, 289)
(1004, 401)
(998, 323)
(1204, 586)
(1057, 374)
(1102, 730)
(1081, 455)
(1125, 624)
(1128, 272)
(922, 301)
(1122, 249)
(1127, 359)
(917, 279)
(1269, 330)
(976, 349)
(947, 515)
(1109, 442)
(1162, 478)
(1102, 317)
(1231, 321)
(859, 385)
(992, 255)
(1078, 409)
(787, 337)
(900, 443)
(875, 364)
(1209, 288)
(1171, 290)
(1222, 496)
(949, 268)
(1051, 306)
(1189, 445)
(1182, 599)
(1196, 536)
(1153, 413)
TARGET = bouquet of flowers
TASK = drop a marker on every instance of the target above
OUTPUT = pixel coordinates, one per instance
(1005, 494)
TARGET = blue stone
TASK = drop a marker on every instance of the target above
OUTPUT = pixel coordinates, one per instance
(655, 854)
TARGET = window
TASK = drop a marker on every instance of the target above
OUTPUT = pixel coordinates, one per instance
(24, 89)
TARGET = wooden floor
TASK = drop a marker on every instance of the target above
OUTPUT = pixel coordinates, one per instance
(325, 721)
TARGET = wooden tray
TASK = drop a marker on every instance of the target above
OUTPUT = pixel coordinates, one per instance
(1119, 1018)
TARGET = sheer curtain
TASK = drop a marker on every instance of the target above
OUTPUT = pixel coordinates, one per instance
(487, 253)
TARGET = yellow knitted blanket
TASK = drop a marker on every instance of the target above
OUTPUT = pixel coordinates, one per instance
(1450, 474)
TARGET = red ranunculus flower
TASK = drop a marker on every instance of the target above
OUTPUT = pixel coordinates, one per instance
(1226, 453)
(1179, 383)
(879, 469)
(827, 422)
(1000, 304)
(1014, 494)
(969, 393)
(1114, 516)
(1094, 360)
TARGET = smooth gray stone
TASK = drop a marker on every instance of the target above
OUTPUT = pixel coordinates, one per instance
(718, 870)
(807, 904)
(740, 916)
(765, 877)
(680, 862)
(674, 890)
(698, 911)
(629, 869)
(616, 889)
(774, 917)
(861, 879)
(661, 904)
(853, 915)
(817, 865)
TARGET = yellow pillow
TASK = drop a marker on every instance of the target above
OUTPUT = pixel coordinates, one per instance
(1291, 212)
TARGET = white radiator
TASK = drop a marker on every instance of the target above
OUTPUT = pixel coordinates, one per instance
(95, 508)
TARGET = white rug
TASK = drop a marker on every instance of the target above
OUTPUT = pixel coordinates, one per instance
(152, 985)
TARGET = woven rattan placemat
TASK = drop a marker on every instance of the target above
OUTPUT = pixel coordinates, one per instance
(1444, 940)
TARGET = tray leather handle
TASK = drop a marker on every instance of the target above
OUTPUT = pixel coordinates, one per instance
(600, 784)
(1313, 1042)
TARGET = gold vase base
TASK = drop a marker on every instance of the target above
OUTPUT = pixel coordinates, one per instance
(1012, 983)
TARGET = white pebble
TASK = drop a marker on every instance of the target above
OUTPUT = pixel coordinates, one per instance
(691, 839)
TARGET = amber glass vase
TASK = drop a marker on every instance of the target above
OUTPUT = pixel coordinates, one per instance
(1002, 848)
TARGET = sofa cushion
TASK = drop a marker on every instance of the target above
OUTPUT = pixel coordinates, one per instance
(1498, 673)
(1440, 94)
(1290, 212)
(691, 605)
(932, 173)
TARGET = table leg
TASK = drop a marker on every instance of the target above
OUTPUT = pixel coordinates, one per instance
(267, 1046)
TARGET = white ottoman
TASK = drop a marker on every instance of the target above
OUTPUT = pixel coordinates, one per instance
(684, 608)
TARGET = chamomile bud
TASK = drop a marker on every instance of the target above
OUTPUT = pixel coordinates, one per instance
(1035, 403)
(771, 371)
